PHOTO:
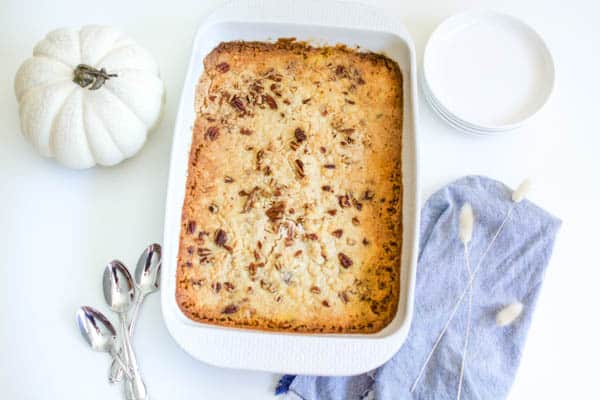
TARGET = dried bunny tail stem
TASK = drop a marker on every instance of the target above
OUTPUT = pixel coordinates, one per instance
(509, 314)
(468, 328)
(521, 191)
(465, 223)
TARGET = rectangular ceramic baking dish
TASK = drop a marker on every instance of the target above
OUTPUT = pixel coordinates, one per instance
(319, 23)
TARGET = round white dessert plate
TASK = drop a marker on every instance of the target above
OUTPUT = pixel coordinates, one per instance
(489, 72)
(450, 119)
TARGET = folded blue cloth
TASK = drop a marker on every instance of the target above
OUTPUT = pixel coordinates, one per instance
(511, 271)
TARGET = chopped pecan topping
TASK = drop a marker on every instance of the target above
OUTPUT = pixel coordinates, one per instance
(256, 255)
(268, 286)
(250, 200)
(228, 286)
(311, 236)
(268, 171)
(326, 188)
(216, 287)
(368, 195)
(345, 260)
(325, 303)
(203, 252)
(300, 135)
(347, 131)
(191, 227)
(273, 76)
(338, 233)
(340, 70)
(365, 241)
(230, 309)
(276, 211)
(259, 244)
(332, 212)
(329, 166)
(299, 168)
(228, 179)
(270, 101)
(322, 149)
(357, 204)
(298, 253)
(256, 87)
(259, 157)
(213, 208)
(344, 201)
(294, 145)
(222, 67)
(315, 290)
(212, 133)
(221, 238)
(198, 282)
(344, 297)
(355, 221)
(246, 131)
(238, 104)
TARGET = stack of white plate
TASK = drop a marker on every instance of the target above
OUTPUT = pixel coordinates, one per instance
(486, 73)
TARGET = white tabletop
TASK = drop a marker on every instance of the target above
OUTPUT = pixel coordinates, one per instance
(60, 227)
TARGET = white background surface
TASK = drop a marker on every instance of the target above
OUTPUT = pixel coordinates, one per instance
(60, 227)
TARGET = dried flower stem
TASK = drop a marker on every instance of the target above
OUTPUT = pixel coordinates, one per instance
(468, 329)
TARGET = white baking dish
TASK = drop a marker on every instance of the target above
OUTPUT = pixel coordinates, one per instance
(318, 22)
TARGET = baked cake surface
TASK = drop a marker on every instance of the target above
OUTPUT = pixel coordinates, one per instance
(292, 214)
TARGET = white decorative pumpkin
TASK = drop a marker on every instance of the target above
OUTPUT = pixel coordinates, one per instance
(88, 97)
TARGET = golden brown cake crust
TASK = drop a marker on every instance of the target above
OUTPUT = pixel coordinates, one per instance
(292, 218)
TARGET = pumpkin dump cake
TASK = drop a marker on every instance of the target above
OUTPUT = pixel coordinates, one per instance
(292, 218)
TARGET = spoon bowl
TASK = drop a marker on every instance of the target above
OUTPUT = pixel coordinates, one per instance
(118, 286)
(96, 329)
(147, 271)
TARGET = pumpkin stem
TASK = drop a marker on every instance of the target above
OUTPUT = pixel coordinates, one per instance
(84, 76)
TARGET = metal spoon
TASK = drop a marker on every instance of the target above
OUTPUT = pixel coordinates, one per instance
(119, 292)
(99, 333)
(147, 279)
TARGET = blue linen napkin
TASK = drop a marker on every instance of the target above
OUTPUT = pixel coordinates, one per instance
(512, 271)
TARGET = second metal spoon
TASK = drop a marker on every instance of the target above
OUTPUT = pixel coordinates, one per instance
(119, 293)
(99, 333)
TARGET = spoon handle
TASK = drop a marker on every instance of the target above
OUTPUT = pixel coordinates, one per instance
(116, 370)
(117, 360)
(138, 389)
(134, 312)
